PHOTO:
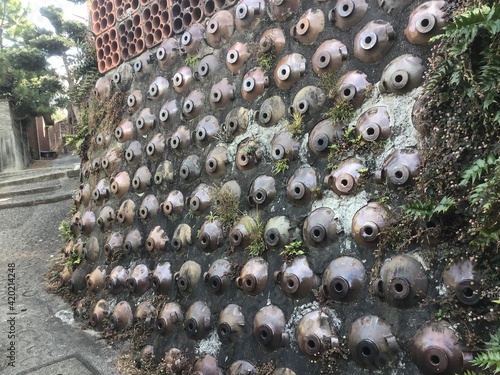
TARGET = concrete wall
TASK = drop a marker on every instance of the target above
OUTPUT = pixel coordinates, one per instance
(14, 153)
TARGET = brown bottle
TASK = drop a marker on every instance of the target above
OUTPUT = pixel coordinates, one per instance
(95, 280)
(142, 180)
(191, 39)
(436, 349)
(182, 237)
(82, 195)
(156, 146)
(348, 13)
(402, 283)
(111, 160)
(308, 101)
(201, 198)
(146, 122)
(133, 241)
(120, 184)
(114, 243)
(215, 165)
(273, 40)
(296, 278)
(106, 218)
(100, 311)
(329, 56)
(220, 29)
(320, 227)
(222, 94)
(462, 279)
(149, 207)
(190, 168)
(237, 56)
(269, 328)
(426, 20)
(170, 316)
(371, 343)
(271, 111)
(181, 139)
(315, 334)
(368, 222)
(236, 121)
(87, 222)
(139, 280)
(116, 281)
(133, 154)
(254, 84)
(302, 185)
(253, 276)
(278, 232)
(198, 321)
(231, 324)
(309, 26)
(346, 178)
(188, 276)
(164, 172)
(102, 139)
(374, 124)
(126, 213)
(182, 81)
(208, 66)
(241, 368)
(134, 101)
(374, 41)
(402, 75)
(352, 88)
(206, 365)
(124, 131)
(91, 250)
(285, 146)
(323, 135)
(211, 235)
(102, 89)
(167, 54)
(145, 314)
(207, 129)
(173, 204)
(262, 191)
(158, 88)
(289, 70)
(122, 316)
(242, 233)
(343, 279)
(192, 105)
(282, 10)
(248, 155)
(157, 239)
(162, 277)
(78, 280)
(401, 168)
(218, 276)
(101, 191)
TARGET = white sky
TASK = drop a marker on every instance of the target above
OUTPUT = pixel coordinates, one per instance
(71, 11)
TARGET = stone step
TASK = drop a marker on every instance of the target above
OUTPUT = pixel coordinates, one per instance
(7, 192)
(18, 180)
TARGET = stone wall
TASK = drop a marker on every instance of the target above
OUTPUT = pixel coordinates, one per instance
(14, 152)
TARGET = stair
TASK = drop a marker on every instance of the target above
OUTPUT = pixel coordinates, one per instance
(32, 187)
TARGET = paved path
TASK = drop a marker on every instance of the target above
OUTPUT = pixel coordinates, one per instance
(45, 343)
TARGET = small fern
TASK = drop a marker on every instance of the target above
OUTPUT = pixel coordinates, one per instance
(418, 210)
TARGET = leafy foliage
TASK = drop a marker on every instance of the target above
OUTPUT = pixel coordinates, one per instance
(292, 251)
(258, 246)
(295, 127)
(65, 231)
(490, 358)
(418, 210)
(281, 166)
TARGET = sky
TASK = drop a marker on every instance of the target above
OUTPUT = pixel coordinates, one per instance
(71, 11)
